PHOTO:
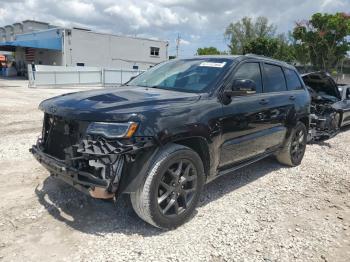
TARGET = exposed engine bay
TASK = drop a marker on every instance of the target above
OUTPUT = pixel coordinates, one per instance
(325, 118)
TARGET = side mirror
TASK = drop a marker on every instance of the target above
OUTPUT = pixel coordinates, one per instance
(241, 87)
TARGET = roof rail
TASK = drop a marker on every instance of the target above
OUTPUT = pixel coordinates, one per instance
(267, 58)
(254, 55)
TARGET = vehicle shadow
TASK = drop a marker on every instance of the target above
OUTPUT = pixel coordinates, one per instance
(89, 215)
(93, 216)
(231, 182)
(345, 128)
(321, 142)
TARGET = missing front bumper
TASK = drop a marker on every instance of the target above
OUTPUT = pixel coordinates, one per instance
(83, 181)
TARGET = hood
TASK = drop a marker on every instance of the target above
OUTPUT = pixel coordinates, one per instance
(322, 86)
(115, 104)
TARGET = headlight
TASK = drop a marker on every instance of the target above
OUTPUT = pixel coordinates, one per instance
(112, 130)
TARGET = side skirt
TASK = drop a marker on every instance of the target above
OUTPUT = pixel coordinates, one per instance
(232, 169)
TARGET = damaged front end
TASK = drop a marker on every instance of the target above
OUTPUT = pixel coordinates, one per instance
(89, 160)
(324, 118)
(324, 121)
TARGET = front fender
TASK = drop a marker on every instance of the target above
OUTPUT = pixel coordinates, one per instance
(135, 172)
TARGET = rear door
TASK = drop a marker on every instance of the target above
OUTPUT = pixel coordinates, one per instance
(280, 103)
(296, 93)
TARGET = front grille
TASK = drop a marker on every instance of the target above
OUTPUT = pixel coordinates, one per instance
(60, 134)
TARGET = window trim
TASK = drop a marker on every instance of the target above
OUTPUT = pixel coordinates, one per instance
(264, 77)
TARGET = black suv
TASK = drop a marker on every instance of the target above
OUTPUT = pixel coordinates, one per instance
(167, 132)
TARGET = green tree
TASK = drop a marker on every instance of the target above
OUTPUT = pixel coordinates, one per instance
(261, 46)
(208, 51)
(246, 30)
(324, 38)
(285, 49)
(300, 54)
(278, 48)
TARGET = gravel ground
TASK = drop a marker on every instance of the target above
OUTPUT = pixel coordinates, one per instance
(265, 212)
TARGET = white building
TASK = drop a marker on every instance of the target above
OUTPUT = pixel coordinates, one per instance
(45, 44)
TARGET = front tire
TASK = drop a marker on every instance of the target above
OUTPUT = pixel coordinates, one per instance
(172, 187)
(294, 149)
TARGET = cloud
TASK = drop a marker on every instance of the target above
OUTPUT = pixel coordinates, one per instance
(144, 15)
(184, 42)
(80, 8)
(200, 22)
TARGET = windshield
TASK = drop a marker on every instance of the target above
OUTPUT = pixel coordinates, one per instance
(190, 75)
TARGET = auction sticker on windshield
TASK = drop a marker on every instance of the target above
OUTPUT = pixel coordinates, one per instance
(211, 64)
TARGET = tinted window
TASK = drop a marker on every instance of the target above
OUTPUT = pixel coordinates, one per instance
(293, 81)
(250, 71)
(274, 79)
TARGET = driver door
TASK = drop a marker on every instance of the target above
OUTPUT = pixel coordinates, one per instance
(246, 120)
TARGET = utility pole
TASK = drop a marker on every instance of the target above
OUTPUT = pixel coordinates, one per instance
(178, 39)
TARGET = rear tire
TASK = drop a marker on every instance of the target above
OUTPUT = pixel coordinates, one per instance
(171, 189)
(293, 151)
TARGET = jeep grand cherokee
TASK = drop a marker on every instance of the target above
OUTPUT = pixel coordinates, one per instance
(164, 134)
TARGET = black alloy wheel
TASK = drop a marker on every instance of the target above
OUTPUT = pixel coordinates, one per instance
(170, 192)
(298, 146)
(177, 187)
(293, 150)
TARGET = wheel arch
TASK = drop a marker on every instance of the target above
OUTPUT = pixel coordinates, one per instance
(137, 170)
(201, 147)
(292, 122)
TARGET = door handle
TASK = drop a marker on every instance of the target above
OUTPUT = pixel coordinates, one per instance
(292, 98)
(264, 102)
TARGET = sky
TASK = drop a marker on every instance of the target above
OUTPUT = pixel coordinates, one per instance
(200, 23)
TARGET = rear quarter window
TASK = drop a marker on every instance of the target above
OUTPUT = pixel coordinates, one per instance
(274, 80)
(293, 81)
